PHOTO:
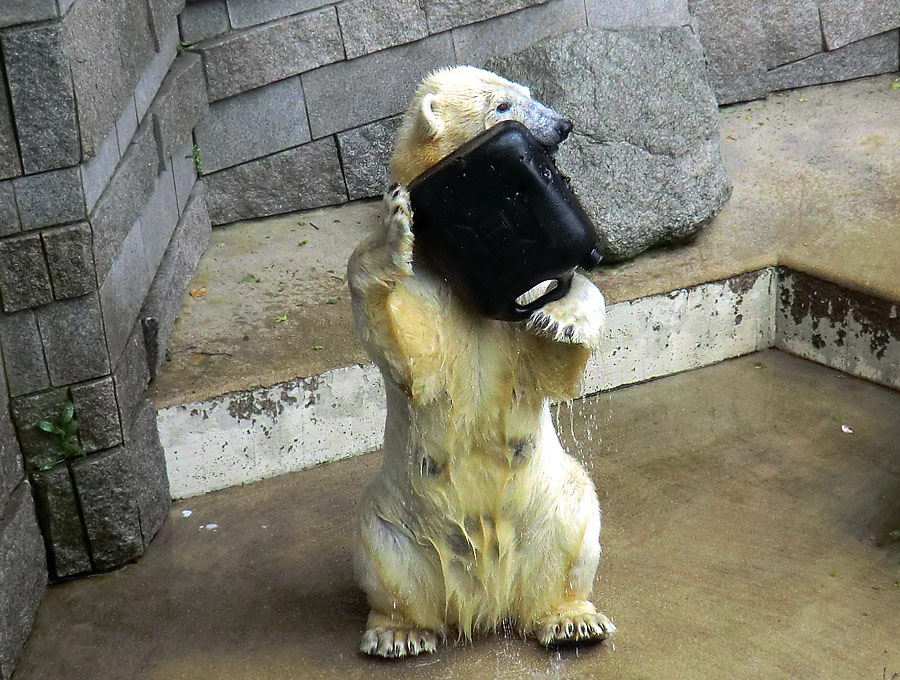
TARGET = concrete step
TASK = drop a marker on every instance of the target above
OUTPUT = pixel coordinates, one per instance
(266, 375)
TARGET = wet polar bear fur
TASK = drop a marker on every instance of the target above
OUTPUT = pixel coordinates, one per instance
(478, 518)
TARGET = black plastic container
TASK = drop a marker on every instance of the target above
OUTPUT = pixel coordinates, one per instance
(498, 218)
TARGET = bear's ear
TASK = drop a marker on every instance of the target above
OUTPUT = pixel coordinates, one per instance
(432, 125)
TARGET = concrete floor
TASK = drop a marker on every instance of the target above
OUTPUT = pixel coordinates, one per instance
(745, 535)
(815, 175)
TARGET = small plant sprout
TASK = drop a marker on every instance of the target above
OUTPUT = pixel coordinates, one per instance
(281, 319)
(250, 278)
(198, 160)
(65, 430)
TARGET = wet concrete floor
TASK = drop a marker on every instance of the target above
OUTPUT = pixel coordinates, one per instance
(746, 535)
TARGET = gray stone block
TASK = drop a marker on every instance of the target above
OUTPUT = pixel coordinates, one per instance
(637, 13)
(126, 125)
(846, 22)
(878, 54)
(370, 25)
(124, 493)
(70, 259)
(179, 104)
(246, 13)
(792, 30)
(23, 353)
(74, 343)
(164, 300)
(365, 156)
(10, 456)
(644, 158)
(10, 166)
(124, 198)
(131, 376)
(248, 59)
(336, 102)
(98, 414)
(97, 171)
(9, 211)
(156, 71)
(476, 43)
(158, 221)
(107, 49)
(123, 291)
(162, 14)
(185, 173)
(49, 198)
(306, 177)
(58, 514)
(24, 279)
(40, 85)
(445, 14)
(204, 20)
(253, 124)
(24, 569)
(14, 12)
(41, 450)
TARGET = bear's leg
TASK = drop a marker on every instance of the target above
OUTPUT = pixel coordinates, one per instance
(404, 590)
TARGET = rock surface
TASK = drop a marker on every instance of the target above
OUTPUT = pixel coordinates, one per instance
(644, 158)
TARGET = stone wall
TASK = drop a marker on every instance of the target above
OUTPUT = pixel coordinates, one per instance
(102, 221)
(305, 94)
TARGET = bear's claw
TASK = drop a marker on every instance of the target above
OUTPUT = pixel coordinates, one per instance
(568, 627)
(576, 318)
(396, 642)
(398, 234)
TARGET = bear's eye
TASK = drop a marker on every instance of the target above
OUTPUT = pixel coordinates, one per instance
(503, 106)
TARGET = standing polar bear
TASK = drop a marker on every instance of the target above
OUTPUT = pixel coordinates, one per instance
(477, 517)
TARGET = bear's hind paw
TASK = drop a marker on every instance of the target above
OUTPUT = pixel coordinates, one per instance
(572, 626)
(396, 642)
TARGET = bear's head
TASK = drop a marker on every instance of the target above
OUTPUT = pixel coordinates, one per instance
(454, 105)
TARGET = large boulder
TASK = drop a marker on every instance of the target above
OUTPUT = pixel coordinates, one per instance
(644, 157)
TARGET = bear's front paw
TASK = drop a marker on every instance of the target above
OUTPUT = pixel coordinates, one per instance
(398, 234)
(577, 318)
(575, 622)
(395, 642)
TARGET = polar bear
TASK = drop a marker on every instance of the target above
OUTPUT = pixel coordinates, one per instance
(478, 517)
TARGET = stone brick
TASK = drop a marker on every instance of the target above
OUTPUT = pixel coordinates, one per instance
(793, 31)
(158, 221)
(253, 124)
(49, 198)
(244, 60)
(40, 85)
(476, 43)
(24, 570)
(10, 455)
(26, 370)
(846, 22)
(204, 20)
(164, 300)
(336, 102)
(366, 154)
(97, 413)
(131, 375)
(74, 344)
(97, 171)
(369, 26)
(10, 166)
(126, 125)
(24, 279)
(305, 177)
(124, 493)
(878, 54)
(445, 14)
(636, 13)
(156, 70)
(41, 450)
(162, 14)
(14, 12)
(124, 198)
(123, 291)
(60, 520)
(246, 13)
(9, 212)
(70, 259)
(185, 173)
(107, 50)
(179, 104)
